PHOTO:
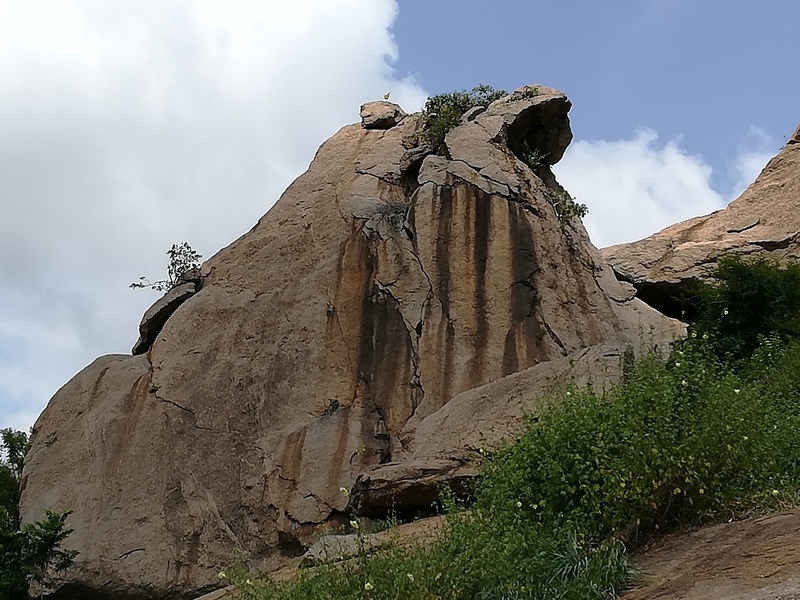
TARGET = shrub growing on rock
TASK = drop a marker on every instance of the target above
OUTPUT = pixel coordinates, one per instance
(444, 111)
(182, 259)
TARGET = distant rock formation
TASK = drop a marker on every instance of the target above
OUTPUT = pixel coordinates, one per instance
(327, 343)
(764, 219)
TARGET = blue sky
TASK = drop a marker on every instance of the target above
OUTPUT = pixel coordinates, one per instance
(127, 126)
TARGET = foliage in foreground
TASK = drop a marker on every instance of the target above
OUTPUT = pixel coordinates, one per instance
(696, 439)
(28, 553)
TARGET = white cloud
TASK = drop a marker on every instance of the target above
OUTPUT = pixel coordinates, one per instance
(636, 187)
(131, 125)
(754, 153)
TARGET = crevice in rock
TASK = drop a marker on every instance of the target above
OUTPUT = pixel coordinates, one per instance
(772, 245)
(154, 390)
(289, 545)
(393, 179)
(129, 552)
(554, 336)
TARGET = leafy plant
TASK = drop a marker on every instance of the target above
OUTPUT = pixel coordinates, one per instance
(749, 300)
(444, 111)
(182, 259)
(533, 157)
(14, 446)
(566, 207)
(31, 552)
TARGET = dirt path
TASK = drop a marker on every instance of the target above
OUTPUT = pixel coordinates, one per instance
(757, 559)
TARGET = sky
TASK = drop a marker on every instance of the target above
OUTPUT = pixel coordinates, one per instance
(130, 125)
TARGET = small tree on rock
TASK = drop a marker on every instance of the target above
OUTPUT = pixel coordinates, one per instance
(182, 259)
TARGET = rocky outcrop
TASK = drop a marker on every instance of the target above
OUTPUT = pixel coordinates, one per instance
(326, 342)
(755, 559)
(156, 316)
(764, 219)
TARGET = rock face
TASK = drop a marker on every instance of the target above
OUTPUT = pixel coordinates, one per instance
(765, 218)
(756, 559)
(325, 342)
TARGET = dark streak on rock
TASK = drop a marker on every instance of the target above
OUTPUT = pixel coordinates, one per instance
(524, 299)
(482, 226)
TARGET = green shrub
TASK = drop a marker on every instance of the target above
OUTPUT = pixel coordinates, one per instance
(677, 445)
(566, 207)
(444, 111)
(749, 300)
(28, 553)
(471, 559)
(182, 259)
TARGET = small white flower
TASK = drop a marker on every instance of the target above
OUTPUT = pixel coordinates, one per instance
(368, 586)
(677, 364)
(222, 575)
(725, 312)
(519, 504)
(354, 524)
(344, 491)
(705, 336)
(775, 492)
(410, 577)
(736, 391)
(248, 582)
(683, 382)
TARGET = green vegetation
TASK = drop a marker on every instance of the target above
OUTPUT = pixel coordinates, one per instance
(692, 440)
(444, 111)
(751, 301)
(566, 207)
(27, 553)
(182, 259)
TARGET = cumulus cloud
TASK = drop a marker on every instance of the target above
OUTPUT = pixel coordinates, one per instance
(131, 125)
(754, 153)
(636, 187)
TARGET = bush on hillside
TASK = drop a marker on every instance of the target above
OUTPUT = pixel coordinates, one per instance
(749, 300)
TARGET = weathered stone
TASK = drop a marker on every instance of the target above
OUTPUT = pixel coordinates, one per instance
(405, 487)
(764, 219)
(479, 418)
(381, 115)
(156, 316)
(319, 343)
(755, 559)
(334, 548)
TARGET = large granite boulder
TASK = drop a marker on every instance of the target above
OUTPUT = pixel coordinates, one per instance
(385, 282)
(764, 219)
